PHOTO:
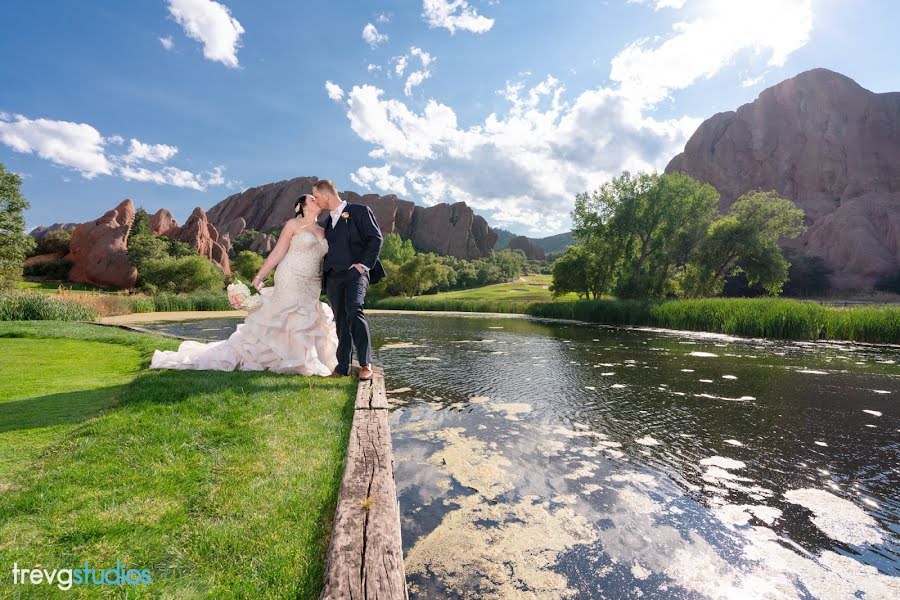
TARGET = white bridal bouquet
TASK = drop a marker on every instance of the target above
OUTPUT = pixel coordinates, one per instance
(240, 297)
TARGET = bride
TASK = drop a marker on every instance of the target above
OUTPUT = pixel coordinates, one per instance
(291, 331)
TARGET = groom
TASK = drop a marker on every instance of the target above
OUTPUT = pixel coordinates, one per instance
(351, 265)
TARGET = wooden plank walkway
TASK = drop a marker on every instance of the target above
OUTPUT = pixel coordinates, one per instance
(365, 555)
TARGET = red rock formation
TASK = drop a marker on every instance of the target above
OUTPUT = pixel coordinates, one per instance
(532, 251)
(822, 141)
(444, 228)
(162, 222)
(98, 250)
(199, 233)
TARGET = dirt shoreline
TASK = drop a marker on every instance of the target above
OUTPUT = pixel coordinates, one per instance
(156, 317)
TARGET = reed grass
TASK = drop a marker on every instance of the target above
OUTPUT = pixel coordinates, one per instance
(750, 317)
(30, 306)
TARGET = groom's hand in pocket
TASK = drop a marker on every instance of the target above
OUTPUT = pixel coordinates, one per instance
(358, 267)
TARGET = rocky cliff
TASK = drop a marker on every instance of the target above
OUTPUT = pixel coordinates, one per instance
(98, 250)
(829, 145)
(451, 229)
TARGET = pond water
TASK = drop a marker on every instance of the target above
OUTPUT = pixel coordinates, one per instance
(540, 459)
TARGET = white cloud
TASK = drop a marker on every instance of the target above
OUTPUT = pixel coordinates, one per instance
(383, 18)
(415, 79)
(381, 178)
(660, 4)
(401, 64)
(167, 42)
(751, 81)
(334, 91)
(513, 166)
(156, 153)
(453, 15)
(81, 147)
(373, 68)
(698, 49)
(75, 145)
(211, 24)
(523, 165)
(372, 36)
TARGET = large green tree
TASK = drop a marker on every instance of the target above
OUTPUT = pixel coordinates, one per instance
(14, 242)
(746, 241)
(645, 228)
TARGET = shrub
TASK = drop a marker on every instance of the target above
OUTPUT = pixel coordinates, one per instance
(244, 240)
(54, 242)
(55, 269)
(182, 275)
(29, 306)
(165, 302)
(246, 264)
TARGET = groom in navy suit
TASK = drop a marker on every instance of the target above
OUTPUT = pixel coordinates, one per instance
(351, 265)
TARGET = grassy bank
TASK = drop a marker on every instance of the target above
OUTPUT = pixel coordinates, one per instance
(221, 484)
(31, 303)
(756, 317)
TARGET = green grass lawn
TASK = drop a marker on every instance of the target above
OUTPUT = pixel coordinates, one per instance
(221, 484)
(535, 288)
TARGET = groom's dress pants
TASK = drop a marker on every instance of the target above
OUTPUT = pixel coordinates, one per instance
(346, 294)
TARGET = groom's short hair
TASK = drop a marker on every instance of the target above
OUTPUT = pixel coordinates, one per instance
(326, 184)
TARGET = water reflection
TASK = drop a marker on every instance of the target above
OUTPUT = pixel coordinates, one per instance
(545, 459)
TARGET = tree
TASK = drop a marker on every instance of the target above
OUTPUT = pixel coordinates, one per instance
(419, 275)
(510, 263)
(396, 250)
(244, 240)
(807, 276)
(648, 225)
(745, 240)
(14, 242)
(246, 264)
(53, 242)
(182, 275)
(582, 271)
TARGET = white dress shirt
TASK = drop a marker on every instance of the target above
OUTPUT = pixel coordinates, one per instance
(335, 215)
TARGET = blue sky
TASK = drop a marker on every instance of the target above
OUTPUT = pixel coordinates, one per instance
(511, 106)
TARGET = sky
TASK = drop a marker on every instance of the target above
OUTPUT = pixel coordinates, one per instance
(512, 106)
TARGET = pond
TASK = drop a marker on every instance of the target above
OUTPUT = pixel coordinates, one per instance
(541, 459)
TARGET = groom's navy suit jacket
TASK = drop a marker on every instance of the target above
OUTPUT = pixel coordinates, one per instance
(355, 239)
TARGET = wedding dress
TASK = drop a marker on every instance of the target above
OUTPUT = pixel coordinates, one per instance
(290, 331)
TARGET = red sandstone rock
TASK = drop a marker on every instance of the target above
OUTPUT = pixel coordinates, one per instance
(162, 222)
(822, 141)
(199, 233)
(444, 228)
(98, 250)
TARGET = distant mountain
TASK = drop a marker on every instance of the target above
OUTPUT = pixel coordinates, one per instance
(40, 231)
(830, 145)
(551, 244)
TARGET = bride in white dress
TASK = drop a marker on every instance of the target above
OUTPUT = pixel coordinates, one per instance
(291, 330)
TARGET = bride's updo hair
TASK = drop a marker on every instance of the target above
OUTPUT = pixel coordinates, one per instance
(300, 204)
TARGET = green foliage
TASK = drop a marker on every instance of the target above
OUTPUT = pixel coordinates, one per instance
(396, 250)
(54, 242)
(745, 240)
(246, 264)
(166, 302)
(57, 270)
(181, 275)
(646, 227)
(583, 272)
(244, 240)
(30, 306)
(15, 244)
(418, 274)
